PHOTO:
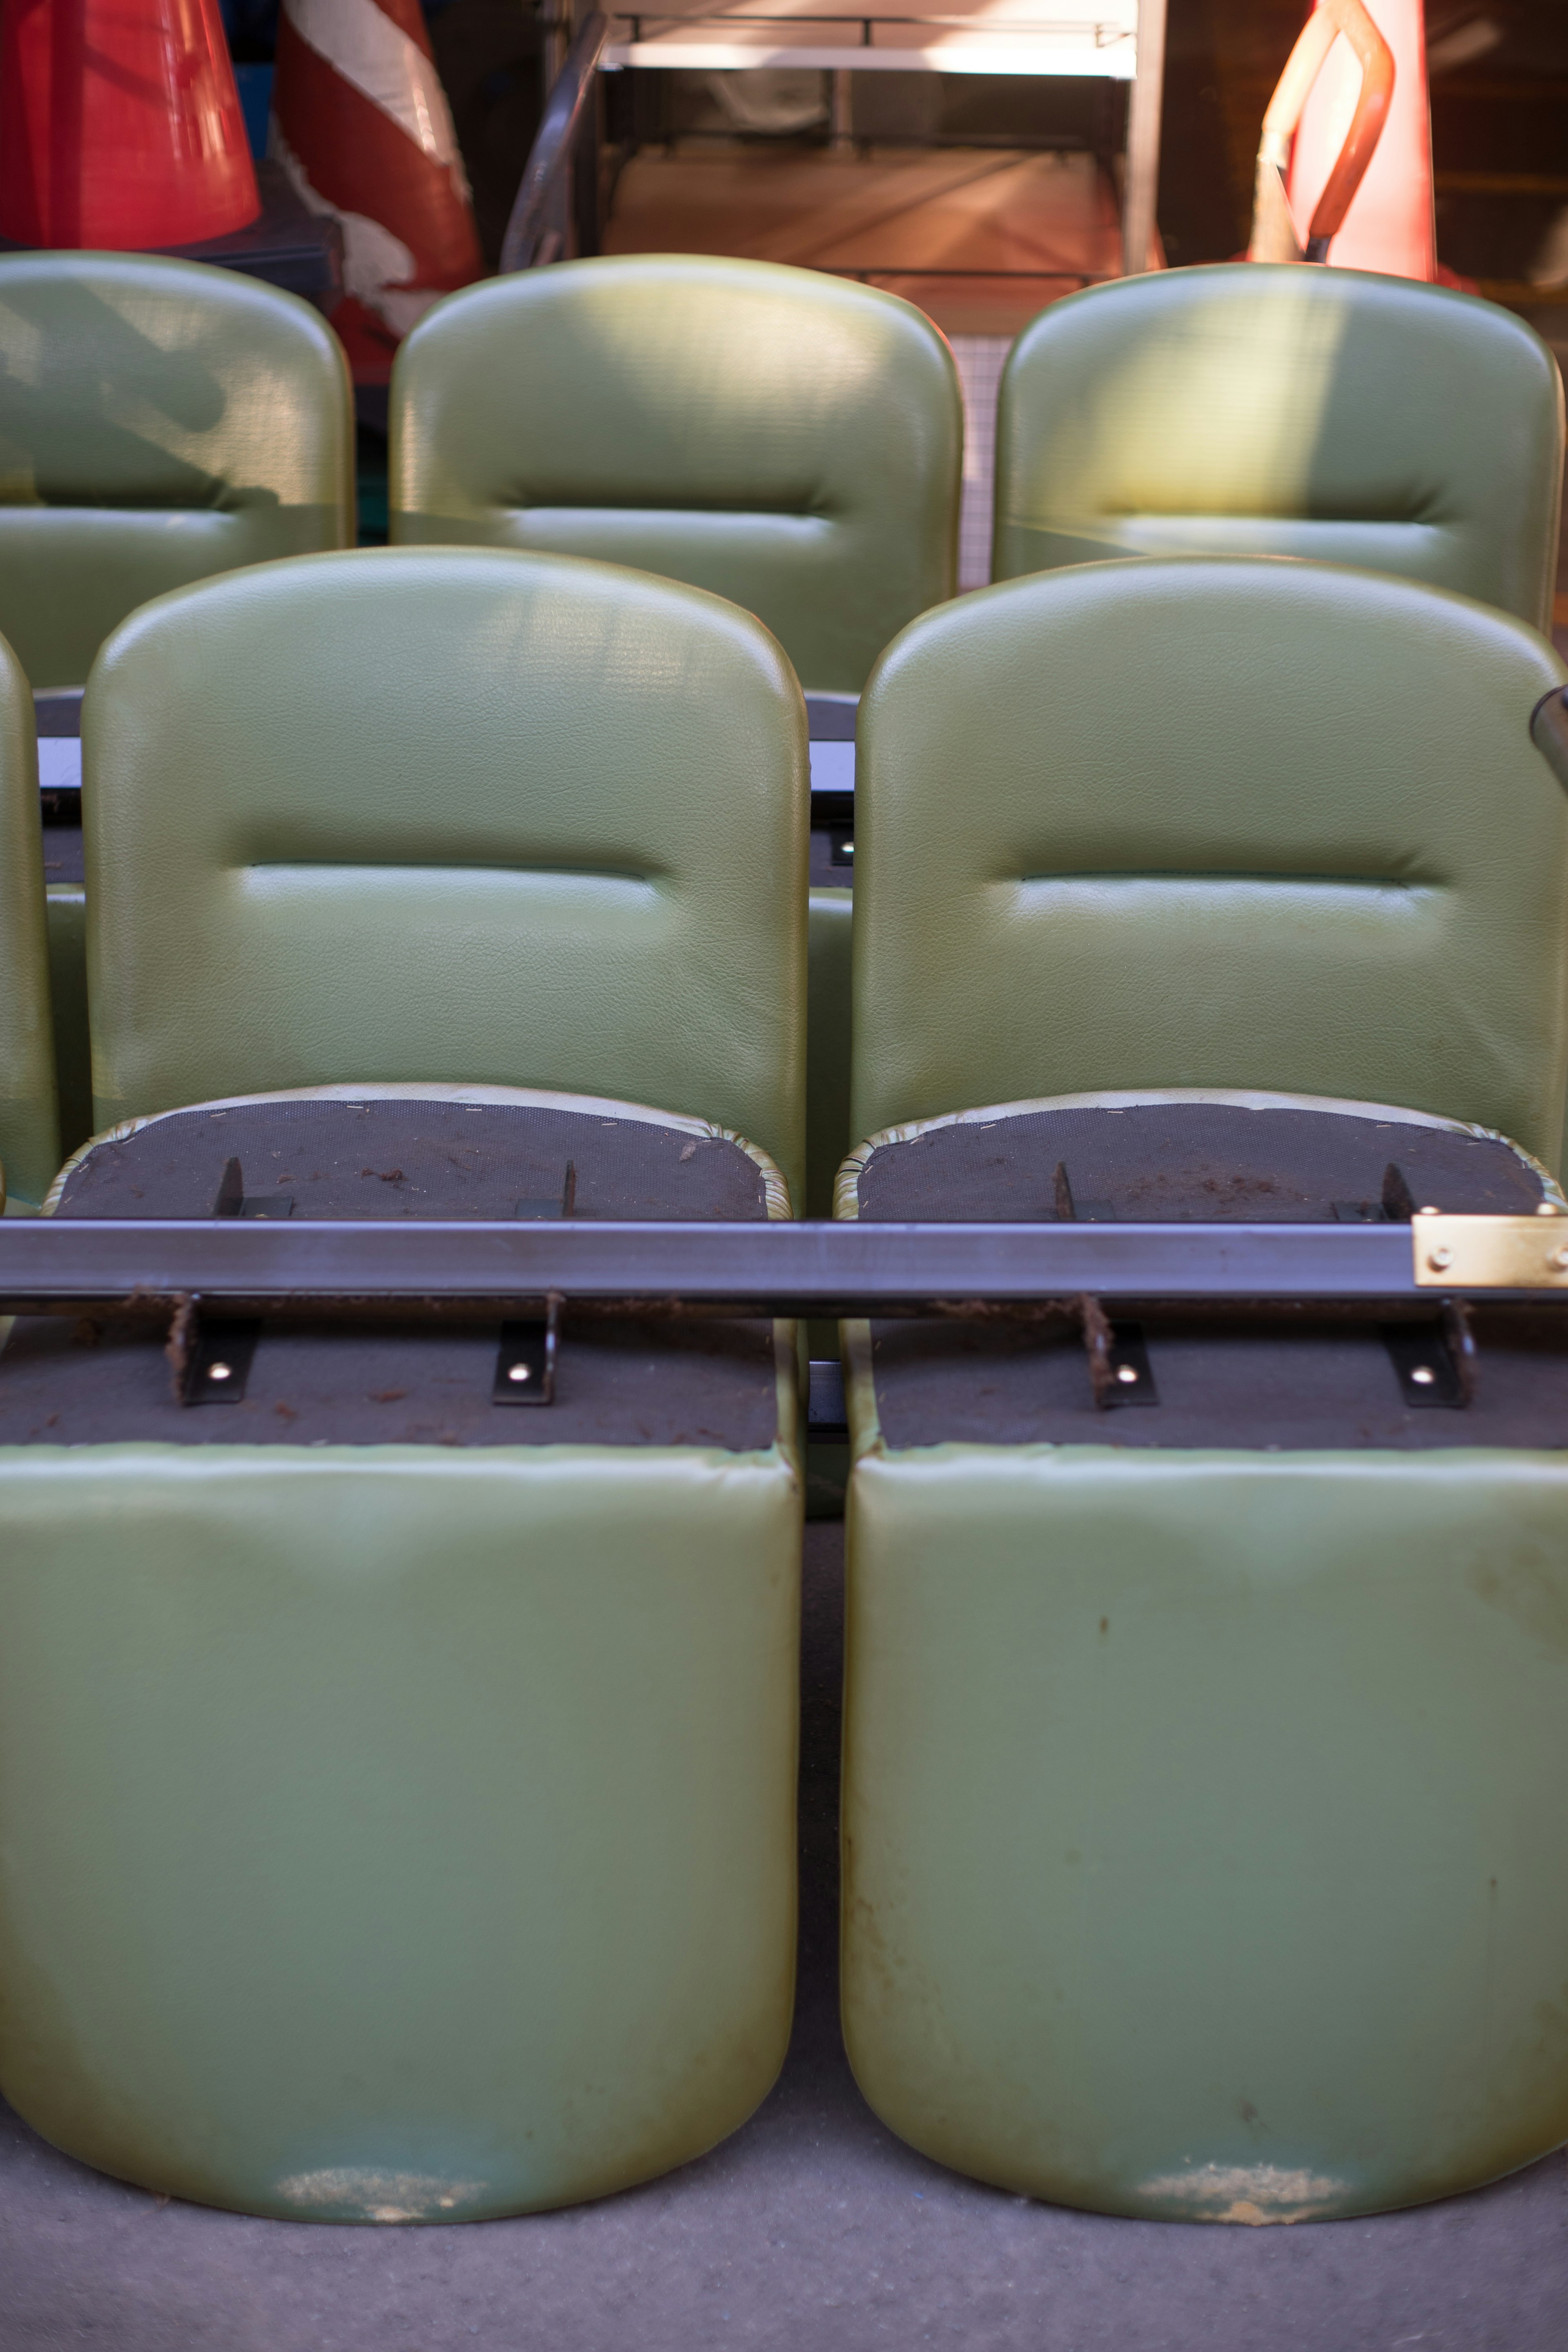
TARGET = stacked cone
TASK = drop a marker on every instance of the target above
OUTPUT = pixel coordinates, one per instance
(120, 125)
(1391, 225)
(361, 126)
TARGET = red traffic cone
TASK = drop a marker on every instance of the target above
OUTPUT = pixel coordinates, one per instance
(1391, 225)
(361, 126)
(120, 125)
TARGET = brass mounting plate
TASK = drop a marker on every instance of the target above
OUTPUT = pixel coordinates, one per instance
(1490, 1253)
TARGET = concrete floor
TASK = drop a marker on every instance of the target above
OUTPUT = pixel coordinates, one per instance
(812, 2228)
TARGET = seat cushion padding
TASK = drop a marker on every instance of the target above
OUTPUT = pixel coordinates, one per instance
(1212, 823)
(402, 1837)
(1205, 1857)
(712, 1384)
(1275, 411)
(160, 421)
(788, 441)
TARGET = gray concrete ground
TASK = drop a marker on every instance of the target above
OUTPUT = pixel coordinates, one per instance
(812, 2228)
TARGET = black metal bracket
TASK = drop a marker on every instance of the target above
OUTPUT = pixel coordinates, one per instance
(210, 1361)
(232, 1199)
(525, 1363)
(1131, 1376)
(1118, 1367)
(529, 1344)
(1070, 1211)
(1435, 1363)
(827, 1420)
(539, 1205)
(1548, 731)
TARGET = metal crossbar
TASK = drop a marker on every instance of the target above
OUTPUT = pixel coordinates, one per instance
(68, 1265)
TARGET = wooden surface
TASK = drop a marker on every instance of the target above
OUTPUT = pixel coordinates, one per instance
(980, 238)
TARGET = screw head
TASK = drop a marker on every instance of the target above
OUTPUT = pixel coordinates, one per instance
(517, 1371)
(1127, 1373)
(1557, 1259)
(1546, 1208)
(1430, 1208)
(1423, 1375)
(1439, 1258)
(220, 1371)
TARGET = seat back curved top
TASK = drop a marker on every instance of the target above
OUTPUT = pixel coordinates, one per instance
(29, 1128)
(1212, 823)
(788, 440)
(1279, 411)
(449, 815)
(160, 421)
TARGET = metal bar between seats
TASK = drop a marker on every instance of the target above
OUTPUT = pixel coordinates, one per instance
(65, 1263)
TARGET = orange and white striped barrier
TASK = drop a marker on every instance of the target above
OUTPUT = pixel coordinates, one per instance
(361, 126)
(1391, 225)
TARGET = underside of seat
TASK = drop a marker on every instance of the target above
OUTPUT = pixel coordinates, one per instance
(381, 1382)
(1243, 1376)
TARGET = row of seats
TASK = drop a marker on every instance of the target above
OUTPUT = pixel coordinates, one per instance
(396, 1792)
(787, 440)
(396, 1815)
(408, 748)
(784, 440)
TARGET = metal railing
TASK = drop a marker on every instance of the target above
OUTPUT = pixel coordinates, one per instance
(536, 232)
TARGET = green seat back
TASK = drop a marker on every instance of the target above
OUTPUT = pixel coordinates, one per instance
(159, 421)
(30, 1129)
(785, 439)
(1212, 823)
(1279, 410)
(455, 813)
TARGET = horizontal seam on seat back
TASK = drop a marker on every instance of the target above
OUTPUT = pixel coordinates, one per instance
(1207, 878)
(516, 869)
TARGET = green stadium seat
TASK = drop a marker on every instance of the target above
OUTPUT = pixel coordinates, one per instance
(160, 421)
(1277, 411)
(784, 440)
(398, 1810)
(1203, 1850)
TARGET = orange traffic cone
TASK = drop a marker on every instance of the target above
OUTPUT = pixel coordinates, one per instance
(1391, 225)
(361, 126)
(120, 125)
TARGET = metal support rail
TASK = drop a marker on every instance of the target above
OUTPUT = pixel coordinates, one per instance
(71, 1265)
(527, 244)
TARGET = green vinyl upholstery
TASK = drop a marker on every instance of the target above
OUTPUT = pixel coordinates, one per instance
(787, 440)
(29, 1126)
(1280, 411)
(1212, 823)
(457, 813)
(396, 1832)
(1205, 1851)
(160, 421)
